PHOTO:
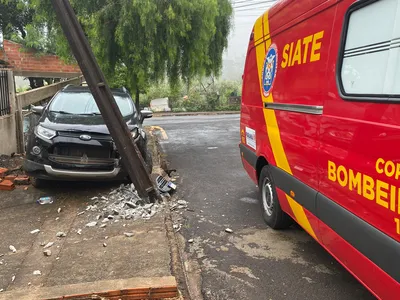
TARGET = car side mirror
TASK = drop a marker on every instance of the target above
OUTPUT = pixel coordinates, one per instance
(146, 114)
(37, 110)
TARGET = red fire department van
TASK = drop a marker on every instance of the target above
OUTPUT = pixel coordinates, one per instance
(320, 127)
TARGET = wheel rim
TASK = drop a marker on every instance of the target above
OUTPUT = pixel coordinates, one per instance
(267, 197)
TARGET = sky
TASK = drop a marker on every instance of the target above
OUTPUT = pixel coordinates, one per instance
(246, 13)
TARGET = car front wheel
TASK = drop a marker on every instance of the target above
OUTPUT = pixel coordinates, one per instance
(37, 182)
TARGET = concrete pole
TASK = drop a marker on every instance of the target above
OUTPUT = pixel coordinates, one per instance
(16, 109)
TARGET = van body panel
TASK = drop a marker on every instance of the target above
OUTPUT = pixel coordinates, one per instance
(329, 155)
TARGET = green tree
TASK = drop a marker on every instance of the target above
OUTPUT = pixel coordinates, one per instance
(139, 42)
(14, 16)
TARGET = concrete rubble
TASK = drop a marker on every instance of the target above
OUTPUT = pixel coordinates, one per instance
(122, 203)
(91, 224)
(48, 245)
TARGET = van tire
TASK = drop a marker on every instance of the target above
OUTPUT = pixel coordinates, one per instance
(271, 209)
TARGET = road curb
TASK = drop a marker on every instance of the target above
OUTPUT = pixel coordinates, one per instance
(185, 114)
(159, 164)
(186, 272)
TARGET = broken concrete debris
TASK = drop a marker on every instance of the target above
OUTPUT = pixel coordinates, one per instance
(48, 245)
(35, 231)
(37, 272)
(182, 202)
(91, 224)
(131, 205)
(123, 203)
(91, 208)
(79, 231)
(47, 252)
(12, 248)
(61, 234)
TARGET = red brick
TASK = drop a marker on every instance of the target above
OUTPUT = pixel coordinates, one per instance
(7, 185)
(10, 177)
(21, 180)
(3, 172)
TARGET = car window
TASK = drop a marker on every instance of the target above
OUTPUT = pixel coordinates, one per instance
(84, 103)
(370, 60)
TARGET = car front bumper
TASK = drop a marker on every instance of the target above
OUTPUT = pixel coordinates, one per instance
(45, 171)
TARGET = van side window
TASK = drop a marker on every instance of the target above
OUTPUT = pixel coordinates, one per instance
(369, 59)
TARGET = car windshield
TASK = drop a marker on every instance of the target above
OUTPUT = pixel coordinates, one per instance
(84, 104)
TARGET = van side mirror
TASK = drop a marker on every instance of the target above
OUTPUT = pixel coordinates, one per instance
(37, 110)
(146, 114)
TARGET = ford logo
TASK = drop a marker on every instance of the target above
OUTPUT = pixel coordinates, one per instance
(85, 137)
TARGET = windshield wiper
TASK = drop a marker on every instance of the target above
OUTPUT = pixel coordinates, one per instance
(91, 114)
(61, 112)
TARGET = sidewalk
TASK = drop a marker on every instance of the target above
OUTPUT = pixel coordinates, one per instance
(94, 260)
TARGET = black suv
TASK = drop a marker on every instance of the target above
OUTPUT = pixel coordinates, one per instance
(72, 142)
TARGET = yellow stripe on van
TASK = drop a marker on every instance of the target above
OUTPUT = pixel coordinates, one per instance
(261, 30)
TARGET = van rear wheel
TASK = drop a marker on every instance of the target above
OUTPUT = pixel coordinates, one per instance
(273, 214)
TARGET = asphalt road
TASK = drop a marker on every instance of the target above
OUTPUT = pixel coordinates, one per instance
(254, 262)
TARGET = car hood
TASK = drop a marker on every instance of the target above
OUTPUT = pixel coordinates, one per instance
(95, 123)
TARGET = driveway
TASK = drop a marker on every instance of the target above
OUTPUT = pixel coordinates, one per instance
(254, 262)
(93, 248)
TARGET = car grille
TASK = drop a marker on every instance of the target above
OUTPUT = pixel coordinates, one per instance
(82, 151)
(95, 136)
(82, 160)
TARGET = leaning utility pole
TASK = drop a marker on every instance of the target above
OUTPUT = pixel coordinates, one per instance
(131, 156)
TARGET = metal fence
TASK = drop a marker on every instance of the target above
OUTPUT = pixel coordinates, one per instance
(5, 108)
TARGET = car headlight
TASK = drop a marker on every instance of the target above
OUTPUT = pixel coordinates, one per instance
(135, 133)
(45, 133)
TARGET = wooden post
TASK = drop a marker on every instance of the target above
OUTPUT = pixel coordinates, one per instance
(16, 109)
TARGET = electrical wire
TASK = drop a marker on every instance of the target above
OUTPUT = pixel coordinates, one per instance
(254, 4)
(247, 1)
(254, 9)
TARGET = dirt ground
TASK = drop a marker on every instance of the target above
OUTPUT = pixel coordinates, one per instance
(14, 163)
